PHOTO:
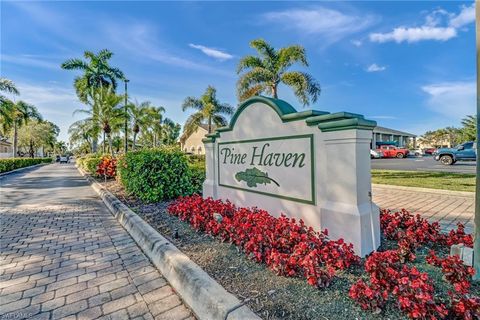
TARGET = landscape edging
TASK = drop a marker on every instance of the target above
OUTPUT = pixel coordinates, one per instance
(22, 169)
(205, 297)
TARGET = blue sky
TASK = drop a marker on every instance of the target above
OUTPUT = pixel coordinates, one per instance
(407, 65)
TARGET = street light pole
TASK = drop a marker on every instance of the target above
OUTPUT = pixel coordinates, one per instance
(476, 218)
(126, 117)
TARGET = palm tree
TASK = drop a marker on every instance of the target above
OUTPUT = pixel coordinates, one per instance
(469, 130)
(6, 106)
(140, 116)
(97, 72)
(155, 120)
(209, 110)
(21, 113)
(267, 70)
(82, 131)
(8, 86)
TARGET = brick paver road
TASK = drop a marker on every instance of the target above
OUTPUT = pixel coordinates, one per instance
(446, 208)
(64, 256)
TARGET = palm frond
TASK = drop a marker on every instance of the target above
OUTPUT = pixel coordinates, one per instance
(8, 86)
(306, 89)
(290, 55)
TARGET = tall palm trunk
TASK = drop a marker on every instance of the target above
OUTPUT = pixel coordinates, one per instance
(210, 124)
(94, 145)
(15, 139)
(274, 91)
(134, 146)
(103, 147)
(109, 136)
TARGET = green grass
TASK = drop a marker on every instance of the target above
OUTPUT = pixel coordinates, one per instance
(424, 179)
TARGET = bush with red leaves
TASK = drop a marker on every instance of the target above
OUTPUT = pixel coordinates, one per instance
(107, 167)
(286, 246)
(465, 307)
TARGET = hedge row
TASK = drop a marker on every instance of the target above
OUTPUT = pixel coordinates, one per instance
(159, 174)
(16, 163)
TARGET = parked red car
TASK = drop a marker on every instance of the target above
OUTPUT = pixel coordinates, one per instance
(430, 150)
(388, 151)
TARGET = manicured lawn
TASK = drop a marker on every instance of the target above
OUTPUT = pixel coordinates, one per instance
(424, 179)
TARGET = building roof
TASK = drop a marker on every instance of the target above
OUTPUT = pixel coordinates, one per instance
(183, 138)
(384, 130)
(4, 141)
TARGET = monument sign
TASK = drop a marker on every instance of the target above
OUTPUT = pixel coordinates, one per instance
(310, 165)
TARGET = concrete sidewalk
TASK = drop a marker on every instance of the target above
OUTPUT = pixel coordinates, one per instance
(64, 256)
(446, 207)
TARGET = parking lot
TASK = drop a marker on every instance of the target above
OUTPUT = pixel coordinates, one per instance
(426, 163)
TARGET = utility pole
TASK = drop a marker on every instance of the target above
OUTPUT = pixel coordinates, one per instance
(476, 219)
(126, 116)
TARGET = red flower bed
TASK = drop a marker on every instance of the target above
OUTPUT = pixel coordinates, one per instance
(403, 224)
(286, 246)
(107, 167)
(413, 290)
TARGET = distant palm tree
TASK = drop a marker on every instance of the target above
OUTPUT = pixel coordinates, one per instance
(82, 131)
(267, 70)
(106, 112)
(155, 121)
(97, 72)
(21, 114)
(141, 116)
(209, 111)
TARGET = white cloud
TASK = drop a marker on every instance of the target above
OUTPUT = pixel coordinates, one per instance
(375, 68)
(452, 99)
(211, 52)
(439, 25)
(331, 24)
(356, 43)
(410, 35)
(30, 61)
(466, 16)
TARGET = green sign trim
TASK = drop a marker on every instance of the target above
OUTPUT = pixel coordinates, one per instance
(311, 201)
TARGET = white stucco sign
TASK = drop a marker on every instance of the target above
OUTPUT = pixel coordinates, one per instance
(310, 165)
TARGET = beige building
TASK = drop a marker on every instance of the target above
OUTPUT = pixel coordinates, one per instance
(6, 148)
(193, 143)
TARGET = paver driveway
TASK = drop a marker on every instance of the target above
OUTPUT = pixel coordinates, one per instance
(64, 256)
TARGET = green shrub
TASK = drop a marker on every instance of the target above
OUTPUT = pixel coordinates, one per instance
(90, 162)
(197, 172)
(16, 163)
(156, 174)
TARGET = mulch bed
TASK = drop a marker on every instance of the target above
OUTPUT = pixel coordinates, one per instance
(269, 295)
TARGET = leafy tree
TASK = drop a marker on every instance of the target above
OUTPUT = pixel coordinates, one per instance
(270, 68)
(20, 114)
(208, 110)
(155, 116)
(96, 72)
(38, 134)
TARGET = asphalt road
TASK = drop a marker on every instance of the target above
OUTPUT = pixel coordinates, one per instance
(423, 164)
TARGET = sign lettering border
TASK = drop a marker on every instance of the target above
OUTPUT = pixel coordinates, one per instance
(312, 201)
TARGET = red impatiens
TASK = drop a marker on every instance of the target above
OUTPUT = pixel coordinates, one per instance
(287, 246)
(454, 271)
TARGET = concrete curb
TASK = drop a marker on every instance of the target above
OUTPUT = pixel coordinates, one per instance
(22, 169)
(417, 189)
(205, 297)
